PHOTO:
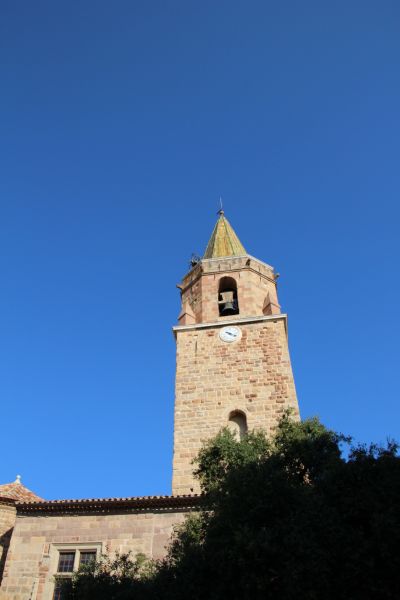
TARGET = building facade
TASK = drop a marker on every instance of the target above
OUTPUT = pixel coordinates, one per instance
(232, 369)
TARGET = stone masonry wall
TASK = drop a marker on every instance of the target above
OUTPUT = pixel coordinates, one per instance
(29, 567)
(255, 281)
(214, 378)
(7, 520)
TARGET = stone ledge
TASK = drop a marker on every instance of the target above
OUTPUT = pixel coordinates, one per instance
(244, 320)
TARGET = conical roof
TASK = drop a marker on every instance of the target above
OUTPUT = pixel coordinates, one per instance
(17, 491)
(223, 240)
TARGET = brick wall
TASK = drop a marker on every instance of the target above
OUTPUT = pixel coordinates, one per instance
(214, 378)
(256, 288)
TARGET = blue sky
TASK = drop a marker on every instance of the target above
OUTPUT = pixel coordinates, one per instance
(121, 124)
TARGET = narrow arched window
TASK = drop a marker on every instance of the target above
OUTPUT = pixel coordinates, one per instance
(228, 303)
(237, 423)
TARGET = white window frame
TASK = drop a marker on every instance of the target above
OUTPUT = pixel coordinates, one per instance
(54, 555)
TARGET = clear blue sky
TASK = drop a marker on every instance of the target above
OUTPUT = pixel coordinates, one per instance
(121, 124)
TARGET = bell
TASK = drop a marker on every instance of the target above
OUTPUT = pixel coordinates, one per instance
(227, 304)
(227, 308)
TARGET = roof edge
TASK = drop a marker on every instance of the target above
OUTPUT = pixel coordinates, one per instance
(8, 500)
(106, 504)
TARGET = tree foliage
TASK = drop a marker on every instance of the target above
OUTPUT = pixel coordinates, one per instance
(112, 577)
(286, 518)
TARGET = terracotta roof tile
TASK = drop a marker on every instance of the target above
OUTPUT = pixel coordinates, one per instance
(17, 491)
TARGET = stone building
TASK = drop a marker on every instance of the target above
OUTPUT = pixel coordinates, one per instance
(232, 369)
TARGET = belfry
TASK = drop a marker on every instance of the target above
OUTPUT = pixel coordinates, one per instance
(232, 359)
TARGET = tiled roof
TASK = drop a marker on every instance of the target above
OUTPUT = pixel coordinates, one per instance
(223, 240)
(111, 504)
(17, 491)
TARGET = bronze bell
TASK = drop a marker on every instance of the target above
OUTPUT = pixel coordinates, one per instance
(227, 303)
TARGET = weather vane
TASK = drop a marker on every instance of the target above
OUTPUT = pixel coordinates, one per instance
(221, 209)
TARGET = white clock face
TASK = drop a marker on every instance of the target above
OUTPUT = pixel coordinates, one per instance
(230, 334)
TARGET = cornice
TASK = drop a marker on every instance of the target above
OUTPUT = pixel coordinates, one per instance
(221, 258)
(111, 505)
(281, 317)
(7, 500)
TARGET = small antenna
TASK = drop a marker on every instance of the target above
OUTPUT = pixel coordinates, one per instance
(221, 209)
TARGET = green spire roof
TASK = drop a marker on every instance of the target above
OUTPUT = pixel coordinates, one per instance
(223, 240)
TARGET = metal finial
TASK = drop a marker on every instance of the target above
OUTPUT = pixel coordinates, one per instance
(18, 479)
(221, 210)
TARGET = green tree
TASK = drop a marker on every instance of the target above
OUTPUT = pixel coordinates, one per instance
(291, 518)
(113, 577)
(286, 518)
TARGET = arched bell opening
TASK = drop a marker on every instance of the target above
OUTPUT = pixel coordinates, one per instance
(237, 423)
(227, 297)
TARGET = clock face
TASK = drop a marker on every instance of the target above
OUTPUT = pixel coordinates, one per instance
(230, 334)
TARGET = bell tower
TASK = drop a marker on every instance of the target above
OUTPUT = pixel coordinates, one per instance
(232, 359)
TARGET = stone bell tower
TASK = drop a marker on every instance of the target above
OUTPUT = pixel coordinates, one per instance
(232, 359)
